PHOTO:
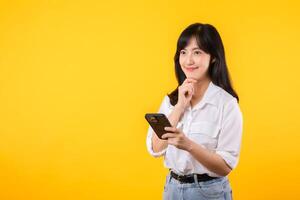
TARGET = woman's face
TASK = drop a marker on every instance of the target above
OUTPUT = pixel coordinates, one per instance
(193, 61)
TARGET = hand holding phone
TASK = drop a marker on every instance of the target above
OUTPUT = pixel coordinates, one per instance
(158, 122)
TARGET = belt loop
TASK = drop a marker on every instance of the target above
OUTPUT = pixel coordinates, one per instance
(195, 178)
(169, 176)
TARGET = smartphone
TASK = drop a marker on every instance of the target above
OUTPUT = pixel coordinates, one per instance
(158, 122)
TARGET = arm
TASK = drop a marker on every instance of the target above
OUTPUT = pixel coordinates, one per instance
(156, 146)
(209, 159)
(174, 118)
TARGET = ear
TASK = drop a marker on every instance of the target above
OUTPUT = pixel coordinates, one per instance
(213, 60)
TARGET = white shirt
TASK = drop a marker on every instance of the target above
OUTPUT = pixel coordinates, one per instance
(215, 123)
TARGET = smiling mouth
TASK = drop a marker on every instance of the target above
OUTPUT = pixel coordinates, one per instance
(190, 69)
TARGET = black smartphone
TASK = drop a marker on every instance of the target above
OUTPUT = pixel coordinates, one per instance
(158, 122)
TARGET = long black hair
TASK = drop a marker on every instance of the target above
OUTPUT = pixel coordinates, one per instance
(208, 40)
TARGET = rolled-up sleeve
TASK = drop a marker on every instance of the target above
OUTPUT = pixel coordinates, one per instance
(165, 109)
(229, 141)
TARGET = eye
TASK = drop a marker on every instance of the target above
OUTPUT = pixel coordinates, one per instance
(197, 52)
(182, 52)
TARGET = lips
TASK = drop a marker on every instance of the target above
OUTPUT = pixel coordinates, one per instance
(190, 69)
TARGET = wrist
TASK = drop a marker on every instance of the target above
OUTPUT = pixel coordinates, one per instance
(190, 146)
(179, 108)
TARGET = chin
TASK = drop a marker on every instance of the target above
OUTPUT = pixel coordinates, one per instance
(193, 77)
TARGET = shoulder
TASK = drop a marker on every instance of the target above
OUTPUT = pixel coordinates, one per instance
(166, 100)
(228, 104)
(224, 98)
(165, 105)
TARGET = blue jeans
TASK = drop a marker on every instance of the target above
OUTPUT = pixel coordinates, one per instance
(217, 189)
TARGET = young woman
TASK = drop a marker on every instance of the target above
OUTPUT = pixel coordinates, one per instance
(202, 146)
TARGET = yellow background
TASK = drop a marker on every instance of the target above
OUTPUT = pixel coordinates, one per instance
(77, 77)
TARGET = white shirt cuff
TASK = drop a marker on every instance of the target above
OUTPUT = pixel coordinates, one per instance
(150, 147)
(228, 158)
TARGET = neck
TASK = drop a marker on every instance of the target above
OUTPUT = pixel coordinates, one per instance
(200, 88)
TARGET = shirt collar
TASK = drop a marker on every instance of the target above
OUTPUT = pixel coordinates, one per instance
(208, 97)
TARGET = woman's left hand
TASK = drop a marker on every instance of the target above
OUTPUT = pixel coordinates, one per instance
(177, 138)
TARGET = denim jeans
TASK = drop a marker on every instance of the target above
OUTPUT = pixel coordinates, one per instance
(217, 189)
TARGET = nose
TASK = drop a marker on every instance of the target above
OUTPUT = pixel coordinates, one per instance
(189, 59)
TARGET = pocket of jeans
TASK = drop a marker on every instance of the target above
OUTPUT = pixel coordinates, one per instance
(205, 133)
(212, 190)
(226, 186)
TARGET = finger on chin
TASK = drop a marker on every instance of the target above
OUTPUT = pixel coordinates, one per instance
(191, 80)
